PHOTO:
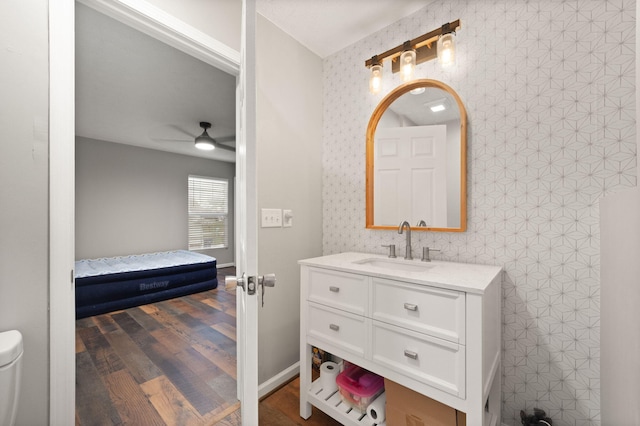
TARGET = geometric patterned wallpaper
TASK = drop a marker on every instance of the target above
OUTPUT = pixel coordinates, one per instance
(549, 88)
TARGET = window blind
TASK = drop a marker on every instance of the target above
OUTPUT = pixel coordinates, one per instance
(208, 213)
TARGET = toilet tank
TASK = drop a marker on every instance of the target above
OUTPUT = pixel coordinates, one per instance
(10, 375)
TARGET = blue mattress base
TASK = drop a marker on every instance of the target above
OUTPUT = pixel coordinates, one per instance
(100, 294)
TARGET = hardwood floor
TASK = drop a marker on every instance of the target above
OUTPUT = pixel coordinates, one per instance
(170, 363)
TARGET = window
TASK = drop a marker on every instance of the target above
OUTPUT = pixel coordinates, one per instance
(208, 213)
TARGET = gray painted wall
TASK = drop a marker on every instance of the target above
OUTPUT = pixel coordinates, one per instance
(132, 200)
(289, 129)
(24, 195)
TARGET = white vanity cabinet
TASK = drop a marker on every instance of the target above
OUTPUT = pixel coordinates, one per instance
(436, 331)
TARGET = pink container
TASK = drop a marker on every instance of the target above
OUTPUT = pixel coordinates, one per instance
(359, 387)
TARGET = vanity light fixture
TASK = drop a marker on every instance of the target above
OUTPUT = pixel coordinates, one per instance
(446, 46)
(438, 43)
(407, 62)
(375, 81)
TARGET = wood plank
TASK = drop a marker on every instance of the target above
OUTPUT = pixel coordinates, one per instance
(173, 341)
(206, 332)
(213, 314)
(196, 391)
(215, 304)
(216, 418)
(102, 354)
(132, 404)
(105, 323)
(85, 322)
(232, 419)
(215, 354)
(135, 360)
(136, 332)
(170, 307)
(192, 387)
(226, 329)
(170, 404)
(225, 386)
(207, 369)
(144, 316)
(221, 305)
(269, 416)
(287, 401)
(80, 347)
(93, 404)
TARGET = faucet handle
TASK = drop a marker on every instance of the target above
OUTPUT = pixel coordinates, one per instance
(392, 250)
(426, 252)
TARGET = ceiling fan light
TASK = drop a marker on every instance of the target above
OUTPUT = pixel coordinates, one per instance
(204, 144)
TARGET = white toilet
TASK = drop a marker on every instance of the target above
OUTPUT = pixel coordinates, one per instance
(10, 373)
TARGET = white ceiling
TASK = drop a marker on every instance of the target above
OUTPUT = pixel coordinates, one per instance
(133, 89)
(328, 26)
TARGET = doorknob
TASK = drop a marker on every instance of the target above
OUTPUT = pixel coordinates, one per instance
(248, 284)
(267, 280)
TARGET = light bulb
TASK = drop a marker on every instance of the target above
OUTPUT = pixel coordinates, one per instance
(375, 81)
(446, 49)
(407, 64)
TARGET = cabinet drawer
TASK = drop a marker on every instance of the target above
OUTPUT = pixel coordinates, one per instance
(338, 328)
(340, 290)
(435, 362)
(434, 311)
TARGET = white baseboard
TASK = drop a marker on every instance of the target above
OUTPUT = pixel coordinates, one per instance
(225, 265)
(278, 380)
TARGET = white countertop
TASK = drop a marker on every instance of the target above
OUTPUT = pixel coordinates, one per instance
(467, 277)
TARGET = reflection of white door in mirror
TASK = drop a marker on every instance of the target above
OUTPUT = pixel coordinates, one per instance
(409, 176)
(410, 166)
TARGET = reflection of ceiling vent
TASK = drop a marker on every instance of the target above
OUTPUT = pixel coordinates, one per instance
(437, 105)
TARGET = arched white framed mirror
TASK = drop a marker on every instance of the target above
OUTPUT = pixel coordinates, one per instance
(417, 159)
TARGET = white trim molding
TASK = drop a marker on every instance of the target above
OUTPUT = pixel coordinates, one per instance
(62, 369)
(158, 24)
(278, 380)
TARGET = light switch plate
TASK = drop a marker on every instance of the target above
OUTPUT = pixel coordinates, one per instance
(287, 218)
(271, 218)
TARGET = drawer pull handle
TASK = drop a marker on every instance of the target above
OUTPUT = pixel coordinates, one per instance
(409, 354)
(334, 327)
(334, 289)
(410, 307)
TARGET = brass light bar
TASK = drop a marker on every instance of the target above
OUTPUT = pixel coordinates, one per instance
(424, 45)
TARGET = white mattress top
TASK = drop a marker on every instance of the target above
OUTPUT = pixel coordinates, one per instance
(139, 262)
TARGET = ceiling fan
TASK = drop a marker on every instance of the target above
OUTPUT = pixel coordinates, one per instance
(206, 142)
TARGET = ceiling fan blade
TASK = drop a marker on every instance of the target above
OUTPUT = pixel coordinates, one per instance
(172, 140)
(221, 146)
(181, 130)
(230, 138)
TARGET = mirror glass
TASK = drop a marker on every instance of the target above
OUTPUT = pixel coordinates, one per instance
(416, 159)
